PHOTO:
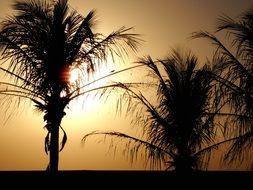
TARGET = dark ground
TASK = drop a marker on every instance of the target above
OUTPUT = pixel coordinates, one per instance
(126, 180)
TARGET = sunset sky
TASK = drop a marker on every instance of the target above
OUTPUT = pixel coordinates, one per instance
(163, 24)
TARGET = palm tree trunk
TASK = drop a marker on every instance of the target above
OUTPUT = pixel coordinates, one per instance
(56, 113)
(54, 149)
(184, 160)
(183, 164)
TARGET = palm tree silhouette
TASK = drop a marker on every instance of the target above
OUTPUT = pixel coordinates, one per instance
(42, 42)
(178, 128)
(234, 74)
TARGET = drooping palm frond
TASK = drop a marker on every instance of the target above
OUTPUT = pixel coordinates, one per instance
(236, 153)
(134, 147)
(222, 53)
(241, 33)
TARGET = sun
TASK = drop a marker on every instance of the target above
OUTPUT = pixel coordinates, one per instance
(90, 100)
(74, 75)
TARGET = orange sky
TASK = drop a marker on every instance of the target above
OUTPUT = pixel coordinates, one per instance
(163, 24)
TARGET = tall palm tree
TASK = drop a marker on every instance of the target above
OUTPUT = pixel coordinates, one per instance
(234, 73)
(40, 44)
(178, 127)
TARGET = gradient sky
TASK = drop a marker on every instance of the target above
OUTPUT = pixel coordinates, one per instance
(163, 24)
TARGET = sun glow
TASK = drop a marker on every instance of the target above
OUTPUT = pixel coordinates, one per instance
(90, 100)
(74, 75)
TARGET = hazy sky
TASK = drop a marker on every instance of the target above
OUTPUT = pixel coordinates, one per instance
(163, 24)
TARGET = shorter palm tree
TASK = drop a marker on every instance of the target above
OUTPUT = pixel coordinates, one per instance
(178, 127)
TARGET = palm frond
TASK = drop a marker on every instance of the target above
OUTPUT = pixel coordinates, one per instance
(80, 35)
(231, 60)
(101, 78)
(118, 43)
(133, 146)
(35, 8)
(241, 31)
(64, 139)
(237, 150)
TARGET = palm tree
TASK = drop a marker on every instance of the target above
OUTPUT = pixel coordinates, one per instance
(234, 74)
(178, 128)
(40, 44)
